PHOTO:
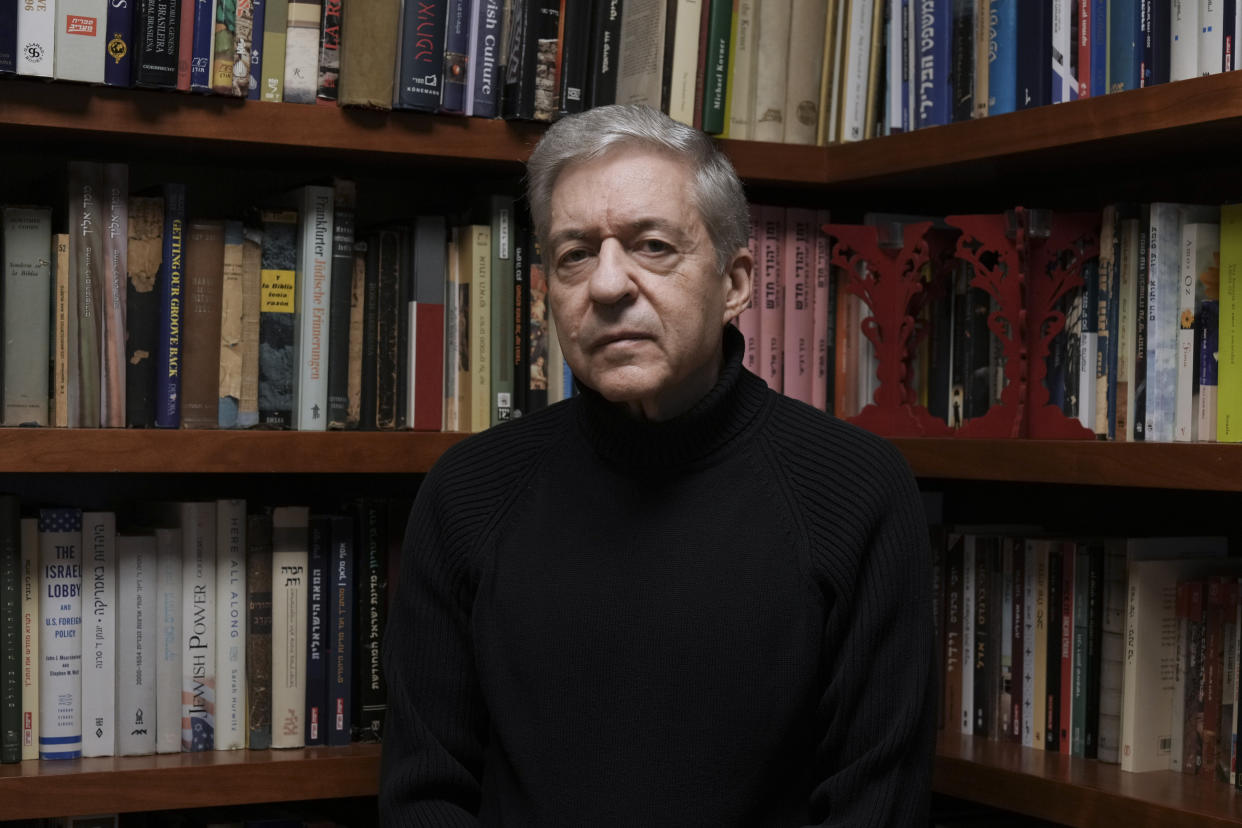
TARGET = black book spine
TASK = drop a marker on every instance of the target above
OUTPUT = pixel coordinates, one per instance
(387, 330)
(1162, 40)
(1095, 638)
(962, 68)
(8, 37)
(1139, 414)
(370, 698)
(521, 312)
(980, 659)
(370, 336)
(259, 631)
(141, 321)
(421, 74)
(605, 40)
(155, 37)
(341, 631)
(10, 631)
(338, 315)
(316, 632)
(575, 58)
(1034, 53)
(404, 418)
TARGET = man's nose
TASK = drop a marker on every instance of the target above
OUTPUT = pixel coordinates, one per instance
(611, 280)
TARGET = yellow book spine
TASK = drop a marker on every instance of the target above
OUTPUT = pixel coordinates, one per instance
(1229, 360)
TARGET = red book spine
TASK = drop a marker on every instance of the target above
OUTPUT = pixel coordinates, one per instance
(185, 45)
(1067, 644)
(748, 319)
(428, 414)
(1213, 673)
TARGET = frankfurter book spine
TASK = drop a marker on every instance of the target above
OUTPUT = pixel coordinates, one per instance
(60, 635)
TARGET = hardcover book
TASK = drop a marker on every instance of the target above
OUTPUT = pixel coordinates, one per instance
(168, 643)
(230, 725)
(86, 217)
(640, 56)
(200, 316)
(455, 71)
(36, 38)
(10, 630)
(135, 665)
(223, 47)
(427, 336)
(119, 44)
(99, 628)
(481, 299)
(313, 289)
(318, 553)
(254, 73)
(113, 285)
(483, 70)
(771, 299)
(80, 42)
(203, 51)
(387, 325)
(289, 625)
(371, 701)
(357, 333)
(934, 96)
(605, 40)
(252, 303)
(198, 626)
(798, 279)
(302, 51)
(338, 307)
(232, 323)
(156, 41)
(1198, 279)
(330, 50)
(168, 335)
(272, 73)
(245, 51)
(421, 59)
(276, 318)
(341, 589)
(259, 631)
(62, 317)
(1229, 365)
(8, 39)
(144, 254)
(31, 622)
(855, 99)
(771, 78)
(369, 53)
(60, 639)
(27, 248)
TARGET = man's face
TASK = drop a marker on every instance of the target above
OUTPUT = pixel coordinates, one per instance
(635, 292)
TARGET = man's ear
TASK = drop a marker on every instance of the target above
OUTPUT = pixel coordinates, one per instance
(740, 284)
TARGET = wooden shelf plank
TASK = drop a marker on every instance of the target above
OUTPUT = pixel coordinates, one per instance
(34, 789)
(159, 451)
(1079, 792)
(1197, 466)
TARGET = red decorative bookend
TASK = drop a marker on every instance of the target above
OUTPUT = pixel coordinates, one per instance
(892, 280)
(1042, 254)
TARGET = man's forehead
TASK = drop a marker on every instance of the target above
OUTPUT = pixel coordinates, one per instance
(631, 191)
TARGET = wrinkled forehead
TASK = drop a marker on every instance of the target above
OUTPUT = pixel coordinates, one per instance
(628, 183)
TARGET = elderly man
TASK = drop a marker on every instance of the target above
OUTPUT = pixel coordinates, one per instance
(678, 598)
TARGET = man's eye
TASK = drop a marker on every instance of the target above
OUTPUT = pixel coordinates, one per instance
(656, 246)
(575, 256)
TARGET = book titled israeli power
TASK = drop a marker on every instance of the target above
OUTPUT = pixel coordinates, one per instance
(60, 636)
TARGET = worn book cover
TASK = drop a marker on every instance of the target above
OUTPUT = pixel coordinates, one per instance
(113, 287)
(27, 274)
(387, 325)
(86, 218)
(357, 316)
(369, 53)
(259, 631)
(302, 51)
(276, 315)
(252, 303)
(312, 292)
(272, 72)
(144, 253)
(229, 390)
(200, 356)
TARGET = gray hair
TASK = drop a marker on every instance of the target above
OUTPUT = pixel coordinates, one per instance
(717, 192)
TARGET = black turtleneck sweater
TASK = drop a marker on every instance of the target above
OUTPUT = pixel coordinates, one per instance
(719, 620)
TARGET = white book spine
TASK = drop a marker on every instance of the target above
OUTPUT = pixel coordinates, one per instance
(1211, 41)
(1126, 323)
(80, 40)
(1162, 280)
(230, 624)
(302, 52)
(857, 70)
(60, 642)
(1029, 576)
(168, 645)
(741, 83)
(770, 75)
(198, 626)
(135, 669)
(685, 61)
(640, 60)
(806, 56)
(1064, 84)
(27, 273)
(310, 334)
(99, 634)
(31, 582)
(968, 635)
(289, 623)
(36, 38)
(1184, 51)
(1183, 414)
(896, 57)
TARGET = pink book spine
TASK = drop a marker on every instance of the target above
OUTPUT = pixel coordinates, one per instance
(799, 283)
(748, 319)
(821, 330)
(771, 294)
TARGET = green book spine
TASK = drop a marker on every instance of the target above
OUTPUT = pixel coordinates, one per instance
(272, 68)
(715, 86)
(10, 631)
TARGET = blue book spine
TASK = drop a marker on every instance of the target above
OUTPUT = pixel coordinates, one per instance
(200, 62)
(421, 68)
(120, 43)
(485, 60)
(340, 631)
(1034, 69)
(1003, 57)
(256, 47)
(1125, 45)
(1208, 321)
(1099, 48)
(317, 618)
(8, 37)
(168, 355)
(456, 56)
(935, 36)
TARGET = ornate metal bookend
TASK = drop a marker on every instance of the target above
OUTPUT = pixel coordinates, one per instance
(888, 280)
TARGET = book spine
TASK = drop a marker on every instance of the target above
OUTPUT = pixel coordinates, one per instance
(1065, 716)
(31, 623)
(799, 313)
(1003, 57)
(339, 303)
(1052, 673)
(330, 50)
(258, 29)
(457, 70)
(1184, 61)
(1125, 47)
(1177, 752)
(278, 286)
(934, 95)
(981, 653)
(605, 34)
(1094, 635)
(369, 381)
(481, 297)
(1139, 410)
(501, 332)
(223, 47)
(357, 316)
(1211, 36)
(420, 71)
(1183, 398)
(966, 704)
(1017, 646)
(198, 626)
(202, 55)
(36, 38)
(371, 699)
(743, 52)
(8, 38)
(1229, 19)
(301, 81)
(60, 641)
(537, 345)
(427, 411)
(387, 329)
(1106, 330)
(770, 84)
(1088, 343)
(1192, 723)
(230, 729)
(311, 327)
(272, 72)
(80, 43)
(1213, 680)
(99, 643)
(318, 551)
(772, 297)
(119, 44)
(1162, 292)
(289, 624)
(244, 51)
(168, 640)
(521, 311)
(135, 688)
(1063, 83)
(806, 49)
(201, 323)
(27, 271)
(10, 630)
(115, 267)
(157, 31)
(483, 99)
(1034, 54)
(1207, 320)
(341, 591)
(185, 44)
(369, 53)
(258, 632)
(144, 252)
(962, 64)
(953, 655)
(168, 342)
(1112, 654)
(232, 326)
(1030, 581)
(86, 216)
(640, 54)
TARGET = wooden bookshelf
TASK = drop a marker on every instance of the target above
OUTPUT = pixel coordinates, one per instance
(1079, 792)
(175, 781)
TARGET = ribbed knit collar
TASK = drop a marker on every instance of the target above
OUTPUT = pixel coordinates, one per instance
(720, 416)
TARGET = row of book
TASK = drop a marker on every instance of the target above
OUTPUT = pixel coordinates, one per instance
(1069, 645)
(198, 627)
(249, 816)
(289, 318)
